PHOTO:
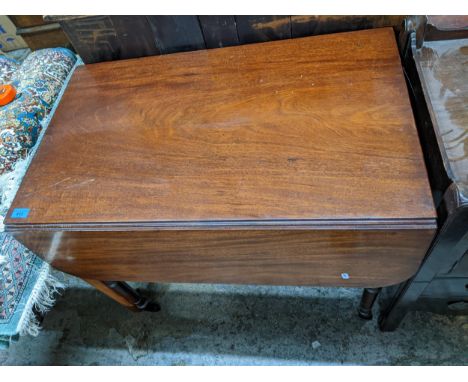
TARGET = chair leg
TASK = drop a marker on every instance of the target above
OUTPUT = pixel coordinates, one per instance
(367, 302)
(125, 295)
(389, 320)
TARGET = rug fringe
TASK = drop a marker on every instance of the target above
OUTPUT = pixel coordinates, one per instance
(41, 301)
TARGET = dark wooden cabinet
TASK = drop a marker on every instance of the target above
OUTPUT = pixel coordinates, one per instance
(107, 38)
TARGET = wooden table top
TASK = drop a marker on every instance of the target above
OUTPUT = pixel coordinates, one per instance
(309, 131)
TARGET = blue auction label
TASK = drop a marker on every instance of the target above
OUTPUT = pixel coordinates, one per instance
(20, 213)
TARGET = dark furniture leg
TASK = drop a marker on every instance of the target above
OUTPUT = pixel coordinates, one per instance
(446, 251)
(125, 295)
(400, 303)
(367, 302)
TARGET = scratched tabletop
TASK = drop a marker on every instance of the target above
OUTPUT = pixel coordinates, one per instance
(317, 128)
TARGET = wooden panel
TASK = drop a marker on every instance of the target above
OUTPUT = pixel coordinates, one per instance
(316, 129)
(106, 38)
(316, 25)
(300, 257)
(39, 39)
(177, 33)
(25, 21)
(183, 33)
(219, 31)
(134, 36)
(47, 39)
(263, 28)
(94, 38)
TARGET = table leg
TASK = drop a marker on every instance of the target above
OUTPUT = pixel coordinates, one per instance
(125, 295)
(367, 302)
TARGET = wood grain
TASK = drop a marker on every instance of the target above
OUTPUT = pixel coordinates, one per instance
(279, 257)
(315, 129)
(286, 163)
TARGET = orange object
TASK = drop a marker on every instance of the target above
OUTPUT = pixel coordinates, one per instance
(7, 94)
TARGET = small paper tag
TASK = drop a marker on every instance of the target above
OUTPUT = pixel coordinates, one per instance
(20, 213)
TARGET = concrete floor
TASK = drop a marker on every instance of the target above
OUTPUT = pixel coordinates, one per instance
(234, 325)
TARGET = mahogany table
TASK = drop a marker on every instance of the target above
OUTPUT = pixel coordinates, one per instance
(294, 162)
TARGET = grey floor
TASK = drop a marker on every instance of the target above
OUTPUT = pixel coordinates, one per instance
(234, 325)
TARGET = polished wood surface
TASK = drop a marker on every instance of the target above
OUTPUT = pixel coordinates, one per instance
(371, 258)
(312, 129)
(290, 162)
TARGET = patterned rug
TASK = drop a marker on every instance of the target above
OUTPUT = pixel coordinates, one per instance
(27, 290)
(27, 287)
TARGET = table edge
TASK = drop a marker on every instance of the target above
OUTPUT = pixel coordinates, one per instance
(300, 224)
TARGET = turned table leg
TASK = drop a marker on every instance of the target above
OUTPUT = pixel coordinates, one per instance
(367, 302)
(125, 295)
